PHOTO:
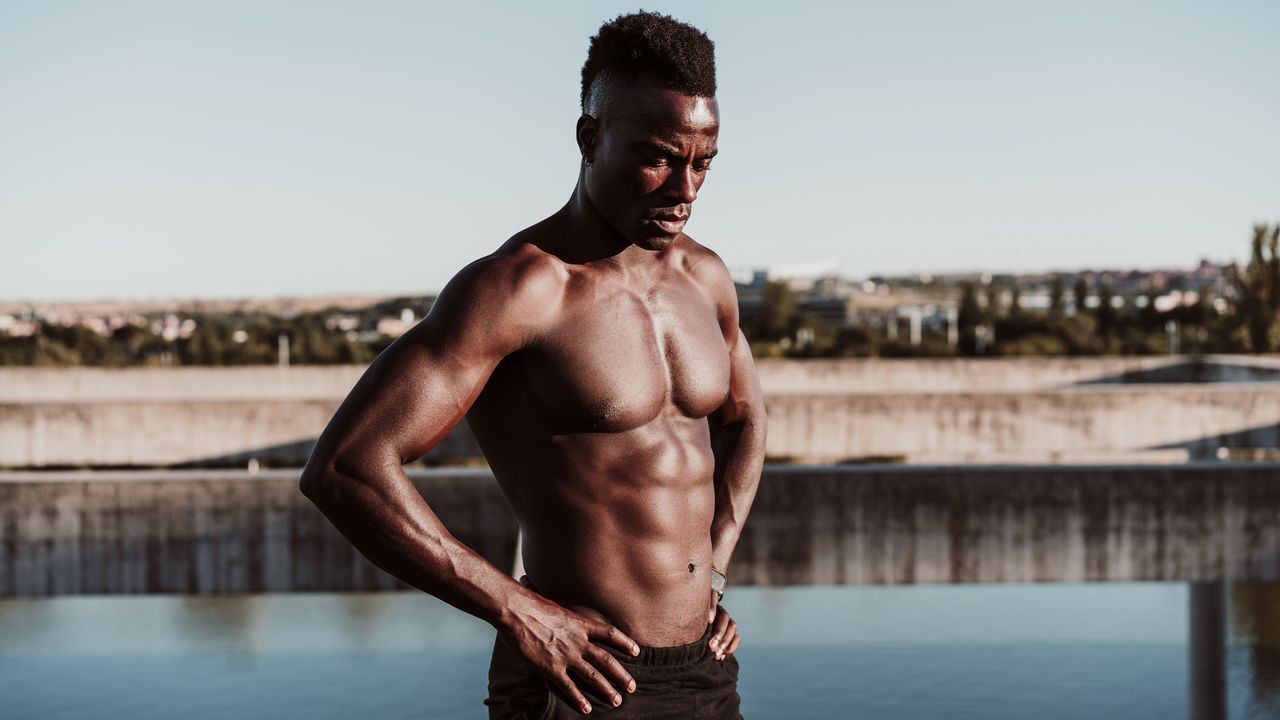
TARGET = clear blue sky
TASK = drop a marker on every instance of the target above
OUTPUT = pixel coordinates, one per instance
(262, 148)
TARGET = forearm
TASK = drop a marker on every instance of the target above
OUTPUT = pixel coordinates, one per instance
(739, 449)
(386, 519)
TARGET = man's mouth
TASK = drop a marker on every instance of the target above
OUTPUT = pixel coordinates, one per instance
(670, 222)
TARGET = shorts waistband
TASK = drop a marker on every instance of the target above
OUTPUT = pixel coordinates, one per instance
(651, 656)
(671, 656)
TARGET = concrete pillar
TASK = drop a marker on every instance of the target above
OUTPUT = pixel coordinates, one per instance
(953, 327)
(282, 350)
(915, 325)
(1207, 661)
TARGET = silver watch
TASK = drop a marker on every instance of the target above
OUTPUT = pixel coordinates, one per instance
(718, 582)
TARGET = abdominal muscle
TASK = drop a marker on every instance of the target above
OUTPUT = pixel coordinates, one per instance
(656, 590)
(620, 528)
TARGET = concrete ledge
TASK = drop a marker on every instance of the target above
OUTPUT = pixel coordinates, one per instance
(945, 409)
(1097, 420)
(920, 524)
(208, 532)
(230, 532)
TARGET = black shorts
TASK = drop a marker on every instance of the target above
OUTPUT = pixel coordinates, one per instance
(682, 681)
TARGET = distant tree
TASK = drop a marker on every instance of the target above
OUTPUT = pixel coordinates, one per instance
(65, 345)
(1257, 290)
(780, 312)
(968, 317)
(1148, 315)
(1081, 294)
(1204, 313)
(992, 292)
(1015, 303)
(18, 351)
(855, 341)
(137, 345)
(209, 343)
(1106, 312)
(51, 352)
(1056, 292)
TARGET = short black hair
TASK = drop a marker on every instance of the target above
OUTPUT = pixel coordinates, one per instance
(679, 55)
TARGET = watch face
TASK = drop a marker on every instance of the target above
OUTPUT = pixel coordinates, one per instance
(718, 582)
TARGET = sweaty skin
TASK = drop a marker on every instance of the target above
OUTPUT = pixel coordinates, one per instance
(597, 357)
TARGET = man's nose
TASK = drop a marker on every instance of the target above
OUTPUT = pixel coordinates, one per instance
(683, 184)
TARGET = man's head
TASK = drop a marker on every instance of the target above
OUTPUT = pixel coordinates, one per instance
(649, 124)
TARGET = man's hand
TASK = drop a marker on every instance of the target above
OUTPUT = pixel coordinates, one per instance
(724, 631)
(557, 641)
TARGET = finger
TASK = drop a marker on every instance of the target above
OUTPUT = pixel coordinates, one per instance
(614, 636)
(733, 646)
(717, 631)
(597, 679)
(611, 667)
(566, 683)
(730, 634)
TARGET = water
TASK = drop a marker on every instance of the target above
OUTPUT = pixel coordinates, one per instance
(985, 652)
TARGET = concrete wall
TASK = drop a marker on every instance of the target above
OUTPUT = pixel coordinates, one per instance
(308, 382)
(1004, 375)
(332, 382)
(206, 432)
(208, 532)
(219, 532)
(1099, 421)
(942, 410)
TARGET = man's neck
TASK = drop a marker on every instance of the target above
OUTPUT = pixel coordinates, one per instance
(588, 238)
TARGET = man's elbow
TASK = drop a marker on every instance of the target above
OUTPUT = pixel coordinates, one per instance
(326, 479)
(315, 477)
(321, 479)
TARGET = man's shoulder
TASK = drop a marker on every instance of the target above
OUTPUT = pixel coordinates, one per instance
(500, 302)
(516, 275)
(707, 268)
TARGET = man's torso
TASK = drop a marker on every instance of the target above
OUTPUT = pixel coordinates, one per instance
(597, 433)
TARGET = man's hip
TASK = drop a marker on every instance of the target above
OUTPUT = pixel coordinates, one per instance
(683, 681)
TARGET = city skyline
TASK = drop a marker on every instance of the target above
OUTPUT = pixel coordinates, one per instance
(239, 151)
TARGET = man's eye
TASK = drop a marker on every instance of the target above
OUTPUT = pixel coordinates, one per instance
(658, 161)
(703, 166)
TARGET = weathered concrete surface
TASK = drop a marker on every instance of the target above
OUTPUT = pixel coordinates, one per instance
(887, 525)
(942, 410)
(218, 532)
(1044, 426)
(1096, 422)
(1005, 375)
(332, 382)
(208, 532)
(258, 382)
(140, 433)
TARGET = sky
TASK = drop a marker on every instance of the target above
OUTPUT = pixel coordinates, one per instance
(236, 148)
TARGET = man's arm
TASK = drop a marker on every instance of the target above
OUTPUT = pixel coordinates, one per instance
(738, 443)
(409, 399)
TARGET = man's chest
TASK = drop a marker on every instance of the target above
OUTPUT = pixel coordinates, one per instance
(616, 359)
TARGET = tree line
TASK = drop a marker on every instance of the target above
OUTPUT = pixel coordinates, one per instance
(990, 320)
(215, 339)
(1080, 320)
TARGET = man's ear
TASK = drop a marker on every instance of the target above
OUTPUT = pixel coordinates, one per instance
(587, 135)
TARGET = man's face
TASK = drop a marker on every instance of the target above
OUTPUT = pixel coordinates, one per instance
(650, 150)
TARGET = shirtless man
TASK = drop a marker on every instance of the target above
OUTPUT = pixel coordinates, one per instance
(598, 360)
